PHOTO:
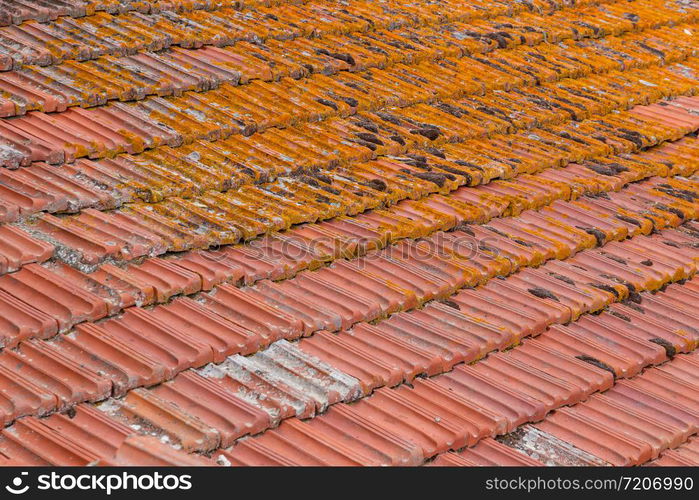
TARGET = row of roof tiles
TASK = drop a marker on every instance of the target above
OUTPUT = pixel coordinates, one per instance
(64, 191)
(105, 34)
(139, 229)
(488, 452)
(408, 425)
(147, 347)
(22, 248)
(634, 421)
(158, 280)
(120, 127)
(637, 419)
(267, 151)
(220, 113)
(173, 72)
(19, 11)
(217, 405)
(283, 255)
(202, 167)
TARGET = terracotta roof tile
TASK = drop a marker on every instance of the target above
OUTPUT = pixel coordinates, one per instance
(685, 455)
(488, 452)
